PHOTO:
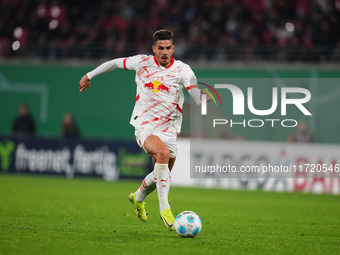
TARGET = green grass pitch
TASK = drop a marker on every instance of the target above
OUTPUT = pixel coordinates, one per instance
(53, 215)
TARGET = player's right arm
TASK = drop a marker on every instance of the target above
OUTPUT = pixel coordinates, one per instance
(126, 63)
(103, 68)
(84, 83)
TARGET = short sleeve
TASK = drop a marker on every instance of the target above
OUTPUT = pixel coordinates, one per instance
(189, 79)
(131, 63)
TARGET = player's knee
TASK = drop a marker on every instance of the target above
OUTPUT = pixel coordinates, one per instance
(163, 156)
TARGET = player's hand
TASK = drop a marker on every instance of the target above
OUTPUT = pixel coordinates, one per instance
(84, 83)
(208, 96)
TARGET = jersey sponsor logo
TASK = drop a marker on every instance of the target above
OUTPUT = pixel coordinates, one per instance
(156, 86)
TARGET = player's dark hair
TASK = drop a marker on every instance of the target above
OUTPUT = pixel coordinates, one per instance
(162, 34)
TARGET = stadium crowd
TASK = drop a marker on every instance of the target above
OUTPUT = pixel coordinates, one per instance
(218, 30)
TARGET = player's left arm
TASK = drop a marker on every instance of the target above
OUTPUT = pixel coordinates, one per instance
(190, 83)
(208, 96)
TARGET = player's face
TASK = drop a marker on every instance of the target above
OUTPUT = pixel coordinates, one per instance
(163, 51)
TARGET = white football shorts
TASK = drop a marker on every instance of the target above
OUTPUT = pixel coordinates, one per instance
(170, 139)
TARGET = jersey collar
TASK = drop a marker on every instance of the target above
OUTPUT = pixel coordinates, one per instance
(171, 62)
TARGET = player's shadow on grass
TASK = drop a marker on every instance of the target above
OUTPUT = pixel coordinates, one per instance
(150, 237)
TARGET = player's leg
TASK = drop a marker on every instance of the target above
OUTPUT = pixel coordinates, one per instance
(148, 184)
(155, 147)
(161, 153)
(171, 165)
(158, 150)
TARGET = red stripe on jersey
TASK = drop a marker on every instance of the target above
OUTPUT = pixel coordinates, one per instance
(124, 64)
(164, 122)
(150, 107)
(156, 61)
(164, 130)
(148, 76)
(167, 108)
(137, 98)
(191, 87)
(146, 122)
(145, 59)
(179, 109)
(171, 62)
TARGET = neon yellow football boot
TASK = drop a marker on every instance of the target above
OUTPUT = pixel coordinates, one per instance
(168, 219)
(139, 207)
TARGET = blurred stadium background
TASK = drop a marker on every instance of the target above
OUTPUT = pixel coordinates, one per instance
(46, 46)
(216, 30)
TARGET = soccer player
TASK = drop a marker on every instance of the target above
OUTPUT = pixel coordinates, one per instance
(157, 115)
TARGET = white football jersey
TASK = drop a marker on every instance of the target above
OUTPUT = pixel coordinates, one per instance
(159, 98)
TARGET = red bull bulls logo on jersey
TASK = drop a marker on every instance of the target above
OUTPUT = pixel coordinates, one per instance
(156, 86)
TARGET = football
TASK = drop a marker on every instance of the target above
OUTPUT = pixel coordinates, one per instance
(188, 224)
